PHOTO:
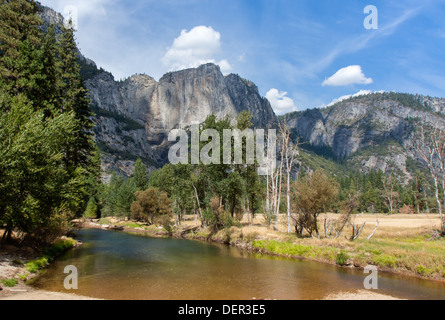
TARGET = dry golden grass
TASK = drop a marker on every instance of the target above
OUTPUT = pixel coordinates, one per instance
(401, 244)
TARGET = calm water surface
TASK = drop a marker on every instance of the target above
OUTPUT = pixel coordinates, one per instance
(114, 265)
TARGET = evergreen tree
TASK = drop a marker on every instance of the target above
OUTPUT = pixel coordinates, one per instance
(73, 97)
(140, 175)
(91, 210)
(47, 151)
(21, 57)
(124, 197)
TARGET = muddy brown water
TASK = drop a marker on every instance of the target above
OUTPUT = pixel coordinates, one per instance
(119, 266)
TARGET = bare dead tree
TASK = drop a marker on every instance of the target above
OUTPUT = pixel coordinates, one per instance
(289, 155)
(391, 196)
(273, 180)
(375, 230)
(430, 147)
(334, 226)
(357, 231)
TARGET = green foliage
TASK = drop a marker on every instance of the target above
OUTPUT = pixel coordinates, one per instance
(127, 123)
(88, 71)
(152, 206)
(35, 265)
(342, 258)
(316, 193)
(283, 248)
(117, 197)
(10, 283)
(385, 261)
(60, 247)
(92, 208)
(140, 175)
(46, 149)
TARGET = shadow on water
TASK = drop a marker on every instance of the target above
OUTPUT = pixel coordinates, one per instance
(113, 265)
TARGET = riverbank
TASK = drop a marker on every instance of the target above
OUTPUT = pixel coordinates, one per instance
(402, 244)
(20, 265)
(406, 249)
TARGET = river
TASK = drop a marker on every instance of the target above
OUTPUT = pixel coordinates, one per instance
(120, 266)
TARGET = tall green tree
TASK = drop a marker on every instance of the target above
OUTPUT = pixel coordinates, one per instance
(73, 97)
(21, 58)
(47, 151)
(140, 175)
(33, 183)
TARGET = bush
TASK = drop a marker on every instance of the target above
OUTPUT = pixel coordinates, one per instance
(217, 218)
(151, 205)
(342, 258)
(385, 261)
(10, 283)
(36, 265)
(60, 247)
(269, 217)
(407, 209)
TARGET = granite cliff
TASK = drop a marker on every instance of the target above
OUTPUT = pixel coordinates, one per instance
(134, 116)
(372, 132)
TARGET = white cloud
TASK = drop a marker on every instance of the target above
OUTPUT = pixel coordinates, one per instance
(194, 48)
(280, 102)
(348, 76)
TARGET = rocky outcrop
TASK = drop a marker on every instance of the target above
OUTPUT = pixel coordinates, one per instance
(370, 132)
(135, 116)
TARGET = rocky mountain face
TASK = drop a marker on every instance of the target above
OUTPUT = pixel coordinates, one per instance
(374, 132)
(135, 116)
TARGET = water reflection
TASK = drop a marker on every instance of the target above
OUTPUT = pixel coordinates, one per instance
(115, 265)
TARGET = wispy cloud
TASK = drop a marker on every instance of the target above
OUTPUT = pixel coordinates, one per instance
(361, 42)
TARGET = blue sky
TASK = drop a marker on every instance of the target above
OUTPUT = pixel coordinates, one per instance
(301, 53)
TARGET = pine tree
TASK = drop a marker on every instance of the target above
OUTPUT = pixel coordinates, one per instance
(91, 210)
(21, 56)
(38, 189)
(140, 175)
(73, 97)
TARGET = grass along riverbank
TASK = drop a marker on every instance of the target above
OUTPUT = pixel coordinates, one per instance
(403, 244)
(20, 265)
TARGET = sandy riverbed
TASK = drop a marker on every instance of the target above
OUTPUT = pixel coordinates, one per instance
(359, 296)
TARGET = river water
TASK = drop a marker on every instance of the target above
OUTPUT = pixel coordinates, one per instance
(119, 266)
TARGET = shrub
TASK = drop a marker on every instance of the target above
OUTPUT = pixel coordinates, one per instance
(60, 247)
(421, 270)
(18, 262)
(385, 261)
(150, 205)
(23, 277)
(407, 209)
(10, 283)
(342, 258)
(36, 265)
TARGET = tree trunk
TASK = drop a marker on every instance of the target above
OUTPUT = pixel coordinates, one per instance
(199, 206)
(288, 203)
(439, 203)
